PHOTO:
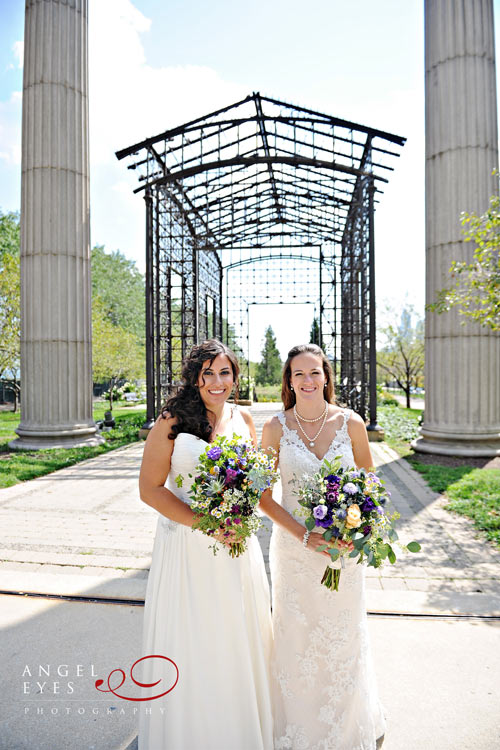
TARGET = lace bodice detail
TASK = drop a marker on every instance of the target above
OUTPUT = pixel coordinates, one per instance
(296, 459)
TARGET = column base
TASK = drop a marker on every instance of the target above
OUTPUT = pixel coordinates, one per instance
(36, 440)
(375, 433)
(456, 447)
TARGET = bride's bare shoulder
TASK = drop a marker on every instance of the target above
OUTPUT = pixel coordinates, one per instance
(273, 426)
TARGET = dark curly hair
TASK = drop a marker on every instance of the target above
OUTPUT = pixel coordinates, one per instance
(187, 405)
(287, 395)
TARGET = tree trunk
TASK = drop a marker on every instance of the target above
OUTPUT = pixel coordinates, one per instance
(407, 392)
(111, 388)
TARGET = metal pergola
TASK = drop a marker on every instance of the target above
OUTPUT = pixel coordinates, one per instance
(262, 202)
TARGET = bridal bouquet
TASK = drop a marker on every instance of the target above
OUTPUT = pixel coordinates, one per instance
(348, 504)
(231, 475)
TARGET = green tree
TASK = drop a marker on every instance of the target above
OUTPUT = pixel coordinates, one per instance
(116, 353)
(120, 287)
(402, 357)
(315, 335)
(476, 285)
(269, 369)
(10, 301)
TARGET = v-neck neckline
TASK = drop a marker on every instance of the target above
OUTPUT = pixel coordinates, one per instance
(303, 443)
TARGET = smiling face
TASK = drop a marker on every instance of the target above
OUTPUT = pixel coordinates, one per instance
(215, 381)
(307, 377)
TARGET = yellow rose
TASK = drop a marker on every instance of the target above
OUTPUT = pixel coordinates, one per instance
(353, 519)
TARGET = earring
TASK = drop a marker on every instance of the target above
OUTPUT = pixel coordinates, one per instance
(325, 385)
(291, 387)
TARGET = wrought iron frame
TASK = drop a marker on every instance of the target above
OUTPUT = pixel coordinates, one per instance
(270, 195)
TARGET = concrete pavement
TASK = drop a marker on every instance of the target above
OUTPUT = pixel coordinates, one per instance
(83, 531)
(437, 679)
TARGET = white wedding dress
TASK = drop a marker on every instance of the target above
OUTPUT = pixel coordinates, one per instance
(324, 689)
(211, 616)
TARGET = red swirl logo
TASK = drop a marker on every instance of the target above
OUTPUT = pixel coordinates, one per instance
(114, 689)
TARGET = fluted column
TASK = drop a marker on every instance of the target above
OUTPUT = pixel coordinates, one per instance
(462, 403)
(56, 368)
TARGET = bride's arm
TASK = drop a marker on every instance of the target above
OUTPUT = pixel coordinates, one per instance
(360, 444)
(155, 468)
(271, 435)
(249, 423)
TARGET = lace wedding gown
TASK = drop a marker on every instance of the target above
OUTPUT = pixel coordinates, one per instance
(211, 616)
(324, 689)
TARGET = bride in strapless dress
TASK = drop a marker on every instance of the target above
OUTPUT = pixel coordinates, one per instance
(209, 614)
(323, 682)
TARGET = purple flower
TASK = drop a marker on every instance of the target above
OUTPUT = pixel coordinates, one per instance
(332, 479)
(231, 475)
(368, 505)
(341, 513)
(350, 488)
(379, 510)
(354, 474)
(215, 453)
(228, 522)
(320, 512)
(237, 520)
(332, 497)
(235, 509)
(326, 521)
(367, 530)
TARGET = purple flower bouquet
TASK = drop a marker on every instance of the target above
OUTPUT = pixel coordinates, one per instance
(231, 475)
(348, 505)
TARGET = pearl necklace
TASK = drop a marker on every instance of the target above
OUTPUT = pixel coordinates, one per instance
(309, 420)
(312, 440)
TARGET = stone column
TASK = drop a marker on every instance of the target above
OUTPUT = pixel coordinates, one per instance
(462, 379)
(56, 366)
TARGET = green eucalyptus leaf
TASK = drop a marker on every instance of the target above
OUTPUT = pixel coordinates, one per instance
(414, 547)
(310, 524)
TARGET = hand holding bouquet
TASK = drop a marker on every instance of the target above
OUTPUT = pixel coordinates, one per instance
(231, 475)
(348, 505)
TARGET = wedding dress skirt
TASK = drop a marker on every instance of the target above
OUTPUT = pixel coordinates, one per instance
(324, 688)
(211, 616)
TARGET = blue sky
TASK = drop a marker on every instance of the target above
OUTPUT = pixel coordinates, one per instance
(155, 64)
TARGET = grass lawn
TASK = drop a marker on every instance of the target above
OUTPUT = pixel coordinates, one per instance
(266, 393)
(19, 466)
(471, 491)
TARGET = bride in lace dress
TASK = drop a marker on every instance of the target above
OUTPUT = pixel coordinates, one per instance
(209, 614)
(324, 689)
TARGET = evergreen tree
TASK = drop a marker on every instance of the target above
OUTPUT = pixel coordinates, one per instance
(315, 336)
(269, 369)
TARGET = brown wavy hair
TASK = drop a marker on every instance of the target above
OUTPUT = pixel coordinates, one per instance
(287, 395)
(187, 405)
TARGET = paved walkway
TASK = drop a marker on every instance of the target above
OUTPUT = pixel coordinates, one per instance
(83, 530)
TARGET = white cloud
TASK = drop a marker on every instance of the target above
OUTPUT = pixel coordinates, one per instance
(131, 100)
(10, 130)
(18, 49)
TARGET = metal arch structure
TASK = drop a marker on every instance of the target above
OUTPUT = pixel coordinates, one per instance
(262, 202)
